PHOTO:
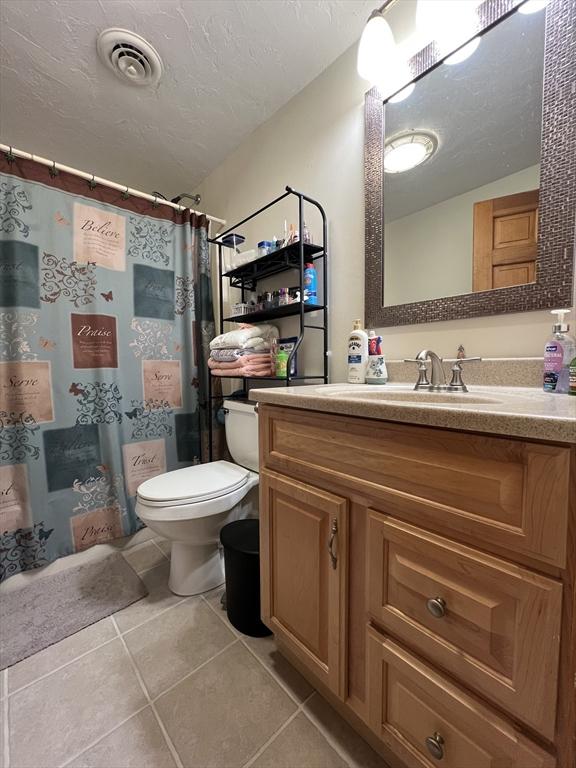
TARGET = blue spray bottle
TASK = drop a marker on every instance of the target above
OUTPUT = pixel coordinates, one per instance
(310, 285)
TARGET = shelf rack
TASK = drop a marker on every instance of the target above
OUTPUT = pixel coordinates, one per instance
(292, 257)
(282, 259)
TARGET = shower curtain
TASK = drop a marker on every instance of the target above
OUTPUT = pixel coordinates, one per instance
(105, 320)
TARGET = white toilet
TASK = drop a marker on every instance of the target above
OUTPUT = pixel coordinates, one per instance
(189, 506)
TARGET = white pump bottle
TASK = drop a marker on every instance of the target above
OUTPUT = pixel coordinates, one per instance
(357, 354)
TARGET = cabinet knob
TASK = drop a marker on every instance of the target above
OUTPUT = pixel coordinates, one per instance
(437, 607)
(435, 746)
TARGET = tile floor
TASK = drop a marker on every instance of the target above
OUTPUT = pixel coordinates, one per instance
(168, 682)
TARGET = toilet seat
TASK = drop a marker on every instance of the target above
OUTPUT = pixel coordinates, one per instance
(193, 485)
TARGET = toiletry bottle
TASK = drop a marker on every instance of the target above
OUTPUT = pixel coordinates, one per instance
(559, 352)
(310, 285)
(281, 363)
(357, 354)
(572, 377)
(376, 371)
(374, 343)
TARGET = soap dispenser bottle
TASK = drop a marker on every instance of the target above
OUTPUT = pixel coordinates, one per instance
(357, 354)
(559, 352)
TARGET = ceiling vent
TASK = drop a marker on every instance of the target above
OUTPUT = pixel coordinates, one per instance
(129, 56)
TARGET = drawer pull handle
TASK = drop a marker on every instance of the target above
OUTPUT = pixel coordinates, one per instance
(333, 532)
(437, 607)
(435, 746)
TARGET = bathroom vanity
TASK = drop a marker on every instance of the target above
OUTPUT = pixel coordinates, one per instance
(418, 566)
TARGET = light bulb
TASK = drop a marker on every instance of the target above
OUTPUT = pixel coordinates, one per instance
(449, 22)
(463, 53)
(533, 6)
(403, 94)
(375, 49)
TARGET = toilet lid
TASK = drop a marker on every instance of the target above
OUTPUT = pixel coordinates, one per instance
(191, 484)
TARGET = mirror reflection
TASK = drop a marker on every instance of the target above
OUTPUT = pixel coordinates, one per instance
(462, 168)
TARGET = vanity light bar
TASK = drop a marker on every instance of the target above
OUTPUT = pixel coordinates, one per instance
(378, 54)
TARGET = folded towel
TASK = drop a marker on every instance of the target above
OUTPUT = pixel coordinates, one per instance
(247, 361)
(249, 358)
(226, 355)
(237, 338)
(257, 344)
(242, 372)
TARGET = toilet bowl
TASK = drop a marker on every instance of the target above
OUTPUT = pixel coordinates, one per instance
(190, 506)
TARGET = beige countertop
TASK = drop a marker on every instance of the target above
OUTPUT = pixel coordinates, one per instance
(513, 411)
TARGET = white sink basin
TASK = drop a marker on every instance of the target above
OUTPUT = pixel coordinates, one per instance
(412, 396)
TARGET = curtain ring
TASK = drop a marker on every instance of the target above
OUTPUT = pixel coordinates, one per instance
(125, 195)
(92, 183)
(155, 203)
(53, 170)
(10, 157)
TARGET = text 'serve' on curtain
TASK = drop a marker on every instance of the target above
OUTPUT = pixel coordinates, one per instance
(105, 320)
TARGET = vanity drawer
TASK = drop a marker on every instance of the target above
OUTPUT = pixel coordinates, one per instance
(492, 624)
(491, 491)
(428, 721)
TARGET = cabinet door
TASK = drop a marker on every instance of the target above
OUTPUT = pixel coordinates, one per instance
(303, 555)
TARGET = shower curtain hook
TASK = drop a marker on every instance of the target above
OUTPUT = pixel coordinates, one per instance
(125, 195)
(10, 157)
(155, 203)
(92, 183)
(53, 170)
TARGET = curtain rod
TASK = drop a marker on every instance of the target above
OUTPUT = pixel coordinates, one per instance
(104, 182)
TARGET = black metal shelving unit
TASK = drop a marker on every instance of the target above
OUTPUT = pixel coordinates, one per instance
(292, 257)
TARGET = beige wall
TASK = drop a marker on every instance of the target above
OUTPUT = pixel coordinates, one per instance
(429, 253)
(315, 144)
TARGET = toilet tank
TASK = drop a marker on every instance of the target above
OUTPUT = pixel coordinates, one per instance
(241, 424)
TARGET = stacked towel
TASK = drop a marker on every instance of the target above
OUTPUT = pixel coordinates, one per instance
(246, 337)
(246, 351)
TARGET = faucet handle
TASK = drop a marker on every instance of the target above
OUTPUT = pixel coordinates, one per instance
(422, 382)
(458, 362)
(456, 383)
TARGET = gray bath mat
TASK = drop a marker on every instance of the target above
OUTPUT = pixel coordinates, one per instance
(51, 608)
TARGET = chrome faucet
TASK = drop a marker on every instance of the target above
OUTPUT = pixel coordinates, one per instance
(438, 375)
(438, 383)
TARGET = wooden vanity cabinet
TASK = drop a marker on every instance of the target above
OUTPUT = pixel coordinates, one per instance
(424, 581)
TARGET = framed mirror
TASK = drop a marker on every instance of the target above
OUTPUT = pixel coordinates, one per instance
(470, 181)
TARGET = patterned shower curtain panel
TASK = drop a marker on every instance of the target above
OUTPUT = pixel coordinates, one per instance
(105, 320)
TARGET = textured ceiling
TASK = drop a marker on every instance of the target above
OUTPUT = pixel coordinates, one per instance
(229, 67)
(486, 112)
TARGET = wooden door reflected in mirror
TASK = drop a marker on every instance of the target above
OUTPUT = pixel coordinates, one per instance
(505, 241)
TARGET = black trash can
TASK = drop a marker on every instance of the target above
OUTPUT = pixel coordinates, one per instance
(241, 542)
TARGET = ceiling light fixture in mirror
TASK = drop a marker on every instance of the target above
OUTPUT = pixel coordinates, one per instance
(407, 150)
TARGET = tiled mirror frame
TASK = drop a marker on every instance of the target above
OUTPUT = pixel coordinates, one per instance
(554, 266)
